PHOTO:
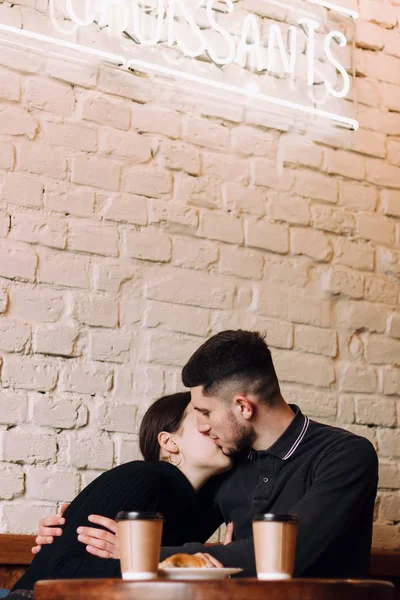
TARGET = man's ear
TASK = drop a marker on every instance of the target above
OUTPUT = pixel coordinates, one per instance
(167, 443)
(245, 407)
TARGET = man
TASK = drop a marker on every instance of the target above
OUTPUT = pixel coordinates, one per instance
(326, 475)
(285, 463)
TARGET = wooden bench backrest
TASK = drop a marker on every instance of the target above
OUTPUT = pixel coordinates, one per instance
(15, 557)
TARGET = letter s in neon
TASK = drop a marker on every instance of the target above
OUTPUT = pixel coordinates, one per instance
(338, 36)
(231, 43)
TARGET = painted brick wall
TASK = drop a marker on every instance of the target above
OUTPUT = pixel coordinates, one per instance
(137, 220)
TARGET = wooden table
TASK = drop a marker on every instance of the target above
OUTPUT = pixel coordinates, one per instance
(225, 589)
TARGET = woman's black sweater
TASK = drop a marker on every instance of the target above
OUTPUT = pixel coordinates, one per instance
(137, 486)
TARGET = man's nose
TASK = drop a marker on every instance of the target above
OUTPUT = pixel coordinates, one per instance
(203, 427)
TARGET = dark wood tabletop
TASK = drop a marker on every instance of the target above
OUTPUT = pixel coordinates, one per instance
(225, 589)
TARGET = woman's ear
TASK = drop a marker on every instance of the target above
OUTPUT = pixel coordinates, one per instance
(167, 444)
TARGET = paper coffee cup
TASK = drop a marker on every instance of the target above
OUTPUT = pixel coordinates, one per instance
(139, 535)
(275, 545)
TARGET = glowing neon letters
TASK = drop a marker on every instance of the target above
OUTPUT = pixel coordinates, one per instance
(246, 49)
(304, 54)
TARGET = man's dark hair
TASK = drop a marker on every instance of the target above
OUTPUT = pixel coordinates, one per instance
(238, 360)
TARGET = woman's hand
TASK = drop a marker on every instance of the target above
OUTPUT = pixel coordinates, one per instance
(103, 544)
(228, 534)
(49, 529)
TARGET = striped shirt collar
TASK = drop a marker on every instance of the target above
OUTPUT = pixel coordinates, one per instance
(287, 444)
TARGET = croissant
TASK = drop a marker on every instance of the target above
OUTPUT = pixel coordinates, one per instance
(185, 561)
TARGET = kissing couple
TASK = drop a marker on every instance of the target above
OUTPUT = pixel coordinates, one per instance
(227, 450)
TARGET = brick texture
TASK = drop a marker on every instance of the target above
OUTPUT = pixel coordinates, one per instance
(136, 220)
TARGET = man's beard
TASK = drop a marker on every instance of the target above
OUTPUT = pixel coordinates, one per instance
(243, 438)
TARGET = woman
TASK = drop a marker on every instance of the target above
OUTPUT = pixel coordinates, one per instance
(178, 462)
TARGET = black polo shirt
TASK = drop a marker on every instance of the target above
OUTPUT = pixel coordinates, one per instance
(327, 475)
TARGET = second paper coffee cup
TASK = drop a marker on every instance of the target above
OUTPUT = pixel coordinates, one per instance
(275, 545)
(139, 535)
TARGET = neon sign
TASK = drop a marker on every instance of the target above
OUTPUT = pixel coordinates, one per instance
(192, 40)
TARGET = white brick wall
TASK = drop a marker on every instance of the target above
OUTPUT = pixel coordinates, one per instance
(136, 220)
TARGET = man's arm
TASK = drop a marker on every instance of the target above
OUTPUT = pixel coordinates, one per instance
(345, 479)
(104, 542)
(345, 483)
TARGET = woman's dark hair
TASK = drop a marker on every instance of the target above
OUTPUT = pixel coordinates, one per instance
(233, 358)
(165, 414)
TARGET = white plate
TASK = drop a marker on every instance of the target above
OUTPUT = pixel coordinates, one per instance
(199, 573)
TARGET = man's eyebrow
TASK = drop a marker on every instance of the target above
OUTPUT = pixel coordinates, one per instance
(201, 410)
